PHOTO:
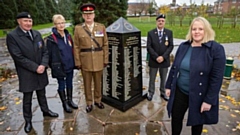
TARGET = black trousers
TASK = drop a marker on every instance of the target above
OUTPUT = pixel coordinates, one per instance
(27, 103)
(180, 106)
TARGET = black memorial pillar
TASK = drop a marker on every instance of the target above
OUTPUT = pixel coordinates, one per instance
(122, 79)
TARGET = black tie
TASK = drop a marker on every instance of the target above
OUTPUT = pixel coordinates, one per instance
(160, 36)
(29, 33)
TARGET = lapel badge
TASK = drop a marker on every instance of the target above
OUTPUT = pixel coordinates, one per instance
(40, 44)
(166, 43)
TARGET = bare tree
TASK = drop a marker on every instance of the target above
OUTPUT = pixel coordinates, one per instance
(234, 13)
(152, 5)
(142, 6)
(134, 9)
(181, 12)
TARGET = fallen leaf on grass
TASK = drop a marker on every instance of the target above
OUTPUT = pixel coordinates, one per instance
(18, 102)
(224, 107)
(236, 111)
(2, 79)
(17, 99)
(221, 100)
(8, 129)
(238, 126)
(3, 108)
(234, 116)
(204, 130)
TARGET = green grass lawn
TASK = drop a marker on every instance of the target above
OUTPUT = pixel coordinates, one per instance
(35, 27)
(224, 35)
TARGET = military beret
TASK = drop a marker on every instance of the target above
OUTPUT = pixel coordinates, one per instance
(87, 8)
(23, 15)
(160, 16)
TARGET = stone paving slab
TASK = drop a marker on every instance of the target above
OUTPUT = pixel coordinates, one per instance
(146, 118)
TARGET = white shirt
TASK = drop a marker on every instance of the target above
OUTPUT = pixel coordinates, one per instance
(90, 27)
(161, 32)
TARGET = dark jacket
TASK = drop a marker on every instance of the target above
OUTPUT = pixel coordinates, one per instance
(156, 49)
(206, 73)
(27, 56)
(61, 59)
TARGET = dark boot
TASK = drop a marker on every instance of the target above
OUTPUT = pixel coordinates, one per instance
(70, 101)
(28, 127)
(64, 102)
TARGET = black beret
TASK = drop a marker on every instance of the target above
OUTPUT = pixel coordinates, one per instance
(87, 8)
(23, 15)
(160, 16)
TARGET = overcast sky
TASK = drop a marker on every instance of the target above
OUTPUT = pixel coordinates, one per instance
(179, 2)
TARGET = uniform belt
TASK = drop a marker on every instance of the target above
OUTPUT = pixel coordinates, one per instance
(91, 49)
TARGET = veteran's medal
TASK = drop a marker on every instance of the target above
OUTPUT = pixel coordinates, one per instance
(40, 44)
(166, 40)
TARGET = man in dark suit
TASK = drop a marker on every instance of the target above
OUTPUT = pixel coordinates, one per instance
(30, 57)
(159, 47)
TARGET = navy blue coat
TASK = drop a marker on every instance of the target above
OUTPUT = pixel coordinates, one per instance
(27, 56)
(61, 59)
(207, 64)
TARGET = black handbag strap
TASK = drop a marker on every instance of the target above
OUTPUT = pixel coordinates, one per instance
(91, 36)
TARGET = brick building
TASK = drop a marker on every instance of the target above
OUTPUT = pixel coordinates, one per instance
(137, 8)
(224, 6)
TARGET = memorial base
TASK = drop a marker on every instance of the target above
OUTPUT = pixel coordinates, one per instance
(123, 106)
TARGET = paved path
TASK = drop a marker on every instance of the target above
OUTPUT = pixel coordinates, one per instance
(146, 118)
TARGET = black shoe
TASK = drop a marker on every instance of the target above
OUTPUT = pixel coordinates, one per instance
(99, 105)
(149, 97)
(28, 127)
(50, 114)
(89, 108)
(164, 97)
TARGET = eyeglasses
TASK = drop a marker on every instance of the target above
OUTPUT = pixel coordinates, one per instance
(60, 23)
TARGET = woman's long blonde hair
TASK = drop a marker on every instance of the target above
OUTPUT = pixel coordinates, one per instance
(209, 33)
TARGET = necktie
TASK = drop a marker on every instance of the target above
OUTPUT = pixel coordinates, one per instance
(29, 33)
(160, 36)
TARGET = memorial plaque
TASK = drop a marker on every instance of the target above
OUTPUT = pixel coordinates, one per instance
(122, 78)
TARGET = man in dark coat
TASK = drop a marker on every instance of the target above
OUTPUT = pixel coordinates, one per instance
(30, 57)
(159, 47)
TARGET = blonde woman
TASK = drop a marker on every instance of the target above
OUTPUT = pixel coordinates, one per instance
(61, 61)
(195, 79)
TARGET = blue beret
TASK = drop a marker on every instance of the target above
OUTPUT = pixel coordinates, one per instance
(161, 16)
(23, 15)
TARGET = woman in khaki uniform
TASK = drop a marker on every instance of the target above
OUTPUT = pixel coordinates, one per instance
(91, 54)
